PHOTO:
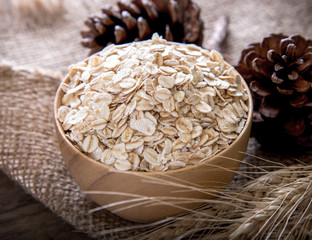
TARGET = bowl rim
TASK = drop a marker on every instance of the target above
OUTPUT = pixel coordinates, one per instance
(57, 101)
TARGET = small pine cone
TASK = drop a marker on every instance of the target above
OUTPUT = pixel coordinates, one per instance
(279, 73)
(134, 20)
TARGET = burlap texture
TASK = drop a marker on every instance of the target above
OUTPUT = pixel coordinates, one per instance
(29, 151)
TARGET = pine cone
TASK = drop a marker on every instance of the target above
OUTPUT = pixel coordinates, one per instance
(279, 73)
(133, 20)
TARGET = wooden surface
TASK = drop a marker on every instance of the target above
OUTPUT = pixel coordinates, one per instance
(22, 217)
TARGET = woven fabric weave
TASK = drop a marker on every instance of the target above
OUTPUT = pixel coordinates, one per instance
(29, 151)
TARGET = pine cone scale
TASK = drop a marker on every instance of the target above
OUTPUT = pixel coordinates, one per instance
(150, 9)
(261, 66)
(298, 101)
(260, 89)
(302, 85)
(276, 79)
(270, 44)
(120, 34)
(268, 108)
(273, 56)
(301, 45)
(295, 127)
(130, 21)
(109, 11)
(284, 91)
(293, 76)
(143, 27)
(291, 51)
(285, 42)
(249, 57)
(125, 5)
(88, 42)
(173, 9)
(190, 27)
(278, 67)
(307, 62)
(106, 20)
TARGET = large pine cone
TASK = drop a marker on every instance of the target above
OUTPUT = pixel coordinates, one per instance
(279, 73)
(175, 20)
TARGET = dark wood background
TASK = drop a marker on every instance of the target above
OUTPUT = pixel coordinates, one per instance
(24, 218)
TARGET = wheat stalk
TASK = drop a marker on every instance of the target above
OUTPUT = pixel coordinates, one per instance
(276, 205)
(284, 209)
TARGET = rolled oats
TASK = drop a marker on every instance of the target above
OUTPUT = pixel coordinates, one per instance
(107, 157)
(168, 130)
(62, 112)
(162, 94)
(176, 165)
(99, 124)
(119, 151)
(145, 126)
(134, 159)
(123, 165)
(151, 156)
(179, 96)
(90, 143)
(166, 81)
(153, 105)
(134, 145)
(184, 125)
(127, 134)
(203, 107)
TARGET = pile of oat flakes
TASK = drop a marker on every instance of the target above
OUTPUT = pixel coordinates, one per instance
(153, 105)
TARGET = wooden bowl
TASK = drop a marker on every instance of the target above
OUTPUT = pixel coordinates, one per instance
(152, 196)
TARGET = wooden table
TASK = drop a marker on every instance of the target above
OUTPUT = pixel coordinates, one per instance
(22, 217)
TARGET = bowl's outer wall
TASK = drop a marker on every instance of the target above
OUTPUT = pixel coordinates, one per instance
(193, 184)
(209, 177)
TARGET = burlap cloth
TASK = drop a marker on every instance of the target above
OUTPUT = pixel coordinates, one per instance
(29, 151)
